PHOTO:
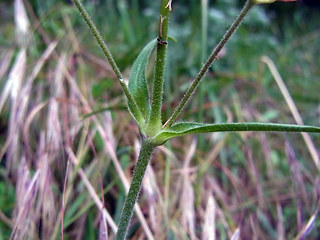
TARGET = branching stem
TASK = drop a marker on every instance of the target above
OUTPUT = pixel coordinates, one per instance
(208, 63)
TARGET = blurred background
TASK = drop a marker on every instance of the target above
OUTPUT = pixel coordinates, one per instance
(66, 136)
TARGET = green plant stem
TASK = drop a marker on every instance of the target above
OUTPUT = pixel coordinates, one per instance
(138, 174)
(208, 63)
(155, 115)
(135, 110)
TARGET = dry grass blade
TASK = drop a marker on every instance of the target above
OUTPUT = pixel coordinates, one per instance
(46, 203)
(255, 229)
(212, 154)
(12, 142)
(73, 116)
(308, 227)
(19, 110)
(103, 230)
(107, 124)
(91, 190)
(209, 228)
(26, 195)
(293, 108)
(22, 24)
(236, 235)
(54, 132)
(5, 63)
(187, 208)
(63, 199)
(280, 226)
(15, 78)
(12, 87)
(187, 195)
(26, 90)
(212, 185)
(28, 122)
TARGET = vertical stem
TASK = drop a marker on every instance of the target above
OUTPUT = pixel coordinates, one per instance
(213, 56)
(155, 115)
(138, 174)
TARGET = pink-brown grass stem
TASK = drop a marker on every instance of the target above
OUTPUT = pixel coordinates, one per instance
(296, 115)
(91, 190)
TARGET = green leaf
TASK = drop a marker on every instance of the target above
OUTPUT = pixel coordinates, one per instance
(137, 82)
(184, 128)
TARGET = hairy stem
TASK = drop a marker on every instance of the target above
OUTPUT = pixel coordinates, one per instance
(155, 115)
(135, 111)
(138, 174)
(208, 63)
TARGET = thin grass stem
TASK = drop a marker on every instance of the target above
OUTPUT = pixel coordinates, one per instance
(134, 108)
(293, 108)
(247, 6)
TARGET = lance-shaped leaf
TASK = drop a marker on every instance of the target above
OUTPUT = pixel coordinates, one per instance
(184, 128)
(137, 82)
